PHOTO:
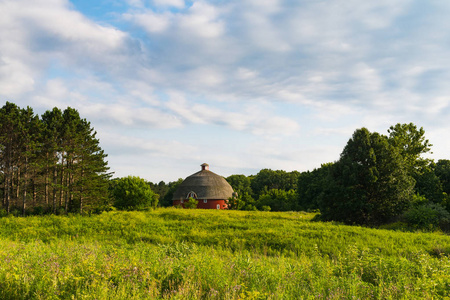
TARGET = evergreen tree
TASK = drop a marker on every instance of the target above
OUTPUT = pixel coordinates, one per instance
(51, 152)
(56, 161)
(9, 116)
(91, 170)
(29, 147)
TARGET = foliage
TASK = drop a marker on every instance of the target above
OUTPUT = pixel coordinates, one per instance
(132, 192)
(161, 189)
(278, 200)
(229, 255)
(428, 217)
(54, 161)
(167, 198)
(267, 179)
(428, 184)
(256, 192)
(369, 183)
(442, 170)
(243, 201)
(312, 186)
(411, 144)
(241, 184)
(191, 203)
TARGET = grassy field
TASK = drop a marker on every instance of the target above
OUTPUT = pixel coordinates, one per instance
(209, 254)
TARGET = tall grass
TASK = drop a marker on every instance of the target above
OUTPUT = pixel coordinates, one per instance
(203, 254)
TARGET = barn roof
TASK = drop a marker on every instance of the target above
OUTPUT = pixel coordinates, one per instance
(205, 184)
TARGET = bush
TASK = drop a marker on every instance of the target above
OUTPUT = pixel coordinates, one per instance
(265, 208)
(192, 203)
(427, 217)
(130, 193)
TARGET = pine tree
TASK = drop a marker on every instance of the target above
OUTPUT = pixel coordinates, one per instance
(9, 116)
(51, 153)
(28, 146)
(57, 159)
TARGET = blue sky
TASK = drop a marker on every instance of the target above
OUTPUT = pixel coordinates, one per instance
(242, 85)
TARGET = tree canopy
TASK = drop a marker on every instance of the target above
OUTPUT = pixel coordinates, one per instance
(53, 163)
(133, 192)
(369, 183)
(411, 144)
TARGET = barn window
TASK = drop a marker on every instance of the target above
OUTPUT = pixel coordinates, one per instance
(205, 201)
(218, 206)
(181, 200)
(191, 195)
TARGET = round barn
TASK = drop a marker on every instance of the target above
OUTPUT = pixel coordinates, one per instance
(209, 189)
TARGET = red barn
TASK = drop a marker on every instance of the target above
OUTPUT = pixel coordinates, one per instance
(209, 189)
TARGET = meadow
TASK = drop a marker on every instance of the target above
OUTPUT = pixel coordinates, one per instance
(209, 254)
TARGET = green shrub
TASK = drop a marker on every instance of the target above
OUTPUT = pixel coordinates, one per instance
(132, 192)
(265, 208)
(192, 203)
(427, 217)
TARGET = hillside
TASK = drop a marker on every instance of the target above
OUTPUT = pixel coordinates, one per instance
(182, 254)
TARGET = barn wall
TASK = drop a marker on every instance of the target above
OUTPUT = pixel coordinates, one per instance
(211, 204)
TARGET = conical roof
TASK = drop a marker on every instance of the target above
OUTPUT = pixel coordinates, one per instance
(206, 185)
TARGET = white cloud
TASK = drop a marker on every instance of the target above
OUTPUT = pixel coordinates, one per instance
(436, 106)
(265, 7)
(276, 126)
(366, 79)
(202, 21)
(172, 3)
(263, 72)
(36, 34)
(252, 119)
(205, 76)
(52, 26)
(15, 77)
(245, 74)
(150, 21)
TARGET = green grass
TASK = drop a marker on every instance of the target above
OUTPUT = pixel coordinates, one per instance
(209, 254)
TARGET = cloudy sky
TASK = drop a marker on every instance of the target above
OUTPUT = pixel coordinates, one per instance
(239, 84)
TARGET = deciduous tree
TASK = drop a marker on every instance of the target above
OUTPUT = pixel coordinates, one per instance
(369, 183)
(133, 193)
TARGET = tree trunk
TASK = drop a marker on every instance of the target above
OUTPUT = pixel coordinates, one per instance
(71, 190)
(34, 193)
(24, 202)
(55, 184)
(7, 193)
(18, 185)
(46, 177)
(61, 189)
(81, 191)
(4, 190)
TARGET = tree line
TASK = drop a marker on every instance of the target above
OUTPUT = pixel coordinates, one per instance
(50, 163)
(53, 164)
(378, 179)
